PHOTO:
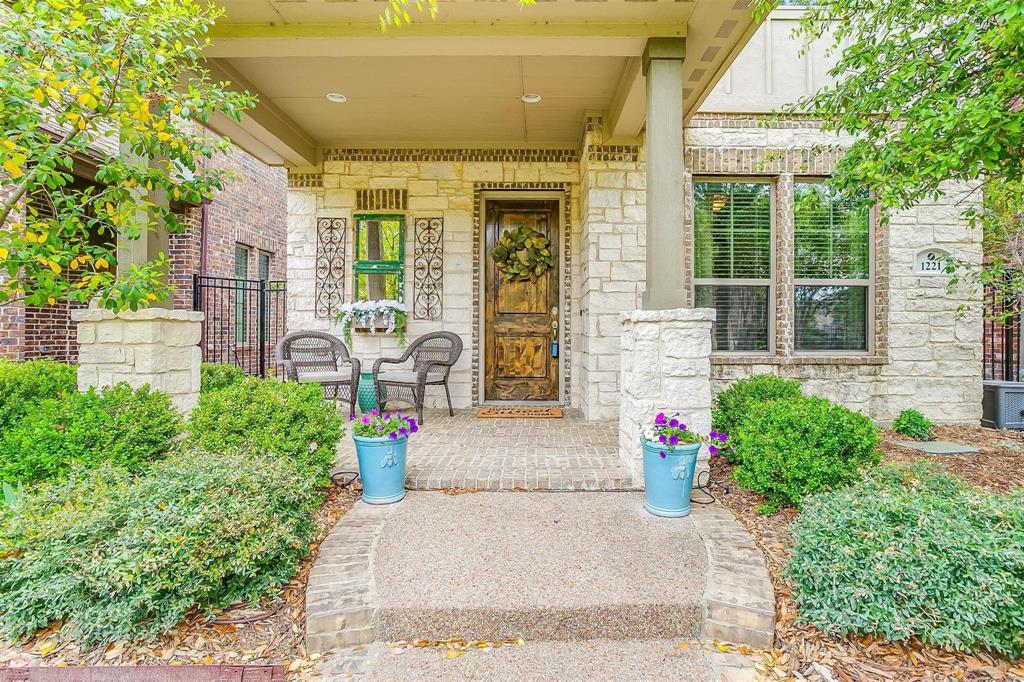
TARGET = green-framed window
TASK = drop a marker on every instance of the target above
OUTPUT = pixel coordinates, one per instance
(379, 266)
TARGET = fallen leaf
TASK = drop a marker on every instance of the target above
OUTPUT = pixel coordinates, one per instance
(453, 653)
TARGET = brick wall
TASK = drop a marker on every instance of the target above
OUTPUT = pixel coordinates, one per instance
(251, 211)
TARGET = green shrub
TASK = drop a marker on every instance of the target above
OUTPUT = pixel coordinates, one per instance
(285, 418)
(119, 558)
(23, 384)
(217, 375)
(790, 448)
(911, 552)
(734, 404)
(120, 425)
(914, 424)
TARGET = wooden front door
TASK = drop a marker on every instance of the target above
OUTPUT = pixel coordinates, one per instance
(521, 317)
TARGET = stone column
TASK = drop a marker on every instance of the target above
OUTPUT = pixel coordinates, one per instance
(663, 67)
(149, 243)
(153, 346)
(666, 367)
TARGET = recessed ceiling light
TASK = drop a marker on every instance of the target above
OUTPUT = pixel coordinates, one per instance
(531, 98)
(336, 97)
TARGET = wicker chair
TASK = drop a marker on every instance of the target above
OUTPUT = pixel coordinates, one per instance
(432, 356)
(317, 358)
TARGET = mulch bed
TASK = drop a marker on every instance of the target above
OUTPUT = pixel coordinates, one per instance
(804, 653)
(270, 634)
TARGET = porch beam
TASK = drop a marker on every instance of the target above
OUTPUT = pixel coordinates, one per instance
(266, 132)
(663, 68)
(625, 119)
(436, 39)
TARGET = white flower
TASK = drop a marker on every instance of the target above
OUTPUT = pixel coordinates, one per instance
(371, 313)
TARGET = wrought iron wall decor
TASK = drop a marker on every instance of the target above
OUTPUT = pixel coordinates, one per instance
(429, 268)
(330, 266)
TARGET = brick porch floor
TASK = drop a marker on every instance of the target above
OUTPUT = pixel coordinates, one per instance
(507, 454)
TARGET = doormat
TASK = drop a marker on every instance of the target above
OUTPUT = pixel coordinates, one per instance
(518, 412)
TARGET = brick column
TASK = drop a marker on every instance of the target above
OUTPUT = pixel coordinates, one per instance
(666, 367)
(154, 346)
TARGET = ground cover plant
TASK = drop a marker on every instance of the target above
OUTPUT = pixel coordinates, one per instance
(217, 375)
(23, 384)
(117, 557)
(287, 419)
(119, 425)
(913, 552)
(912, 423)
(801, 649)
(734, 404)
(787, 449)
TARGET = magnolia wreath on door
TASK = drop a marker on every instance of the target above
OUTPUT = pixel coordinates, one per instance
(522, 254)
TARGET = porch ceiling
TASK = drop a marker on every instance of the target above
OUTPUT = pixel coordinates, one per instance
(456, 81)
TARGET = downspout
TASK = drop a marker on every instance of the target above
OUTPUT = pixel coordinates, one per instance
(202, 238)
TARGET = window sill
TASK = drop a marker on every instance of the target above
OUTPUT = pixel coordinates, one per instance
(798, 360)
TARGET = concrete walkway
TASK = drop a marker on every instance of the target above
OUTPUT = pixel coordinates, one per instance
(595, 587)
(510, 454)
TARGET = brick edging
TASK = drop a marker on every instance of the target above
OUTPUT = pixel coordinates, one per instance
(341, 595)
(739, 601)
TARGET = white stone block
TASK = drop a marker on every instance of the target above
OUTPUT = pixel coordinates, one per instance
(301, 202)
(438, 171)
(143, 332)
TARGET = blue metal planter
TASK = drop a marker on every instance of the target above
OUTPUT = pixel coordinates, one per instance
(668, 479)
(381, 468)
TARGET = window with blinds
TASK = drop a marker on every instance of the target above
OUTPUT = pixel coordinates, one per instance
(832, 257)
(263, 266)
(733, 261)
(241, 302)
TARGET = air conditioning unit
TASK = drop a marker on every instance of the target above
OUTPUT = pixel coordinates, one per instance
(1002, 404)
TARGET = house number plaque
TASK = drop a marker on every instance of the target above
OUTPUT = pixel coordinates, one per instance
(930, 262)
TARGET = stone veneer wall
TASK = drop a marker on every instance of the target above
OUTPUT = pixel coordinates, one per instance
(923, 354)
(437, 183)
(613, 266)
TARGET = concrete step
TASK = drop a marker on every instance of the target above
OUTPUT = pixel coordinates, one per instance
(605, 660)
(543, 567)
(552, 566)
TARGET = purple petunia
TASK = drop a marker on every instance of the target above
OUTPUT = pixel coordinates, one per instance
(713, 435)
(723, 437)
(663, 438)
(375, 412)
(660, 419)
(366, 420)
(673, 439)
(404, 431)
(413, 428)
(712, 449)
(682, 427)
(393, 436)
(673, 423)
(662, 453)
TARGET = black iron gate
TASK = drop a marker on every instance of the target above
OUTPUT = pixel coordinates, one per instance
(244, 320)
(1001, 341)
